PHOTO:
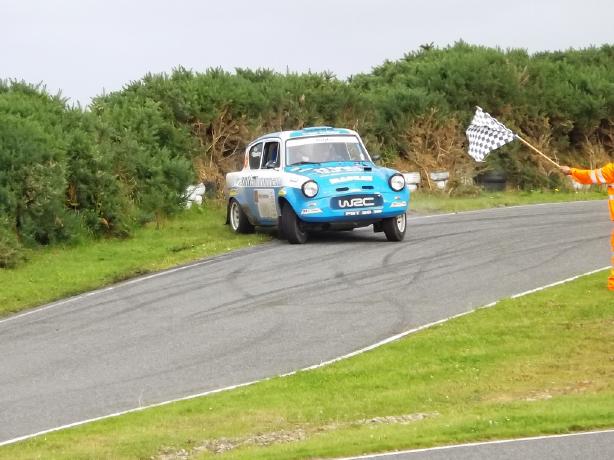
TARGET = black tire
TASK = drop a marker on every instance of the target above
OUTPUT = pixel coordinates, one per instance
(394, 227)
(291, 226)
(280, 231)
(238, 219)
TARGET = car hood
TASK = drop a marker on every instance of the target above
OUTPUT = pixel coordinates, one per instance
(346, 176)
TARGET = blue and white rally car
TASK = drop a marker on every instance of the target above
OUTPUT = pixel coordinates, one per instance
(319, 178)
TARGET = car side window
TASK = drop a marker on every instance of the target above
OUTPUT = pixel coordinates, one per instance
(271, 153)
(255, 154)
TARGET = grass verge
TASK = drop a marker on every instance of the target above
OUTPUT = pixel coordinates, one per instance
(539, 364)
(60, 271)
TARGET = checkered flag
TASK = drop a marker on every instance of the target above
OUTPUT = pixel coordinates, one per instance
(486, 134)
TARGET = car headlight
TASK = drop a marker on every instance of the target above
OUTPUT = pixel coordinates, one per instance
(310, 189)
(397, 182)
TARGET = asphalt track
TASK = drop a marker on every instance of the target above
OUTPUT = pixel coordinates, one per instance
(276, 308)
(581, 446)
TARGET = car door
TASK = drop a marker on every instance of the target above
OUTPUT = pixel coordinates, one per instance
(267, 183)
(259, 182)
(241, 184)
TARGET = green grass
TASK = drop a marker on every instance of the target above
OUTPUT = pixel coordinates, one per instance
(56, 272)
(426, 202)
(540, 364)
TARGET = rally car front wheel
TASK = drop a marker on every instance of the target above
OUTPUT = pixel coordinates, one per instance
(291, 226)
(394, 227)
(238, 219)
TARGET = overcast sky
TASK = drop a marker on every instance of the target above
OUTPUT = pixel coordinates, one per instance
(85, 47)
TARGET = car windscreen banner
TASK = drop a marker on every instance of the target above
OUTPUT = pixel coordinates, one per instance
(322, 140)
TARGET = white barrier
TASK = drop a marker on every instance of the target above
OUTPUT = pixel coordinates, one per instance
(194, 194)
(412, 180)
(412, 177)
(440, 179)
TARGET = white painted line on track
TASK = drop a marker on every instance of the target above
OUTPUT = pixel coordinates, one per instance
(501, 208)
(98, 291)
(473, 444)
(435, 323)
(136, 409)
(315, 366)
(55, 304)
(118, 285)
(531, 291)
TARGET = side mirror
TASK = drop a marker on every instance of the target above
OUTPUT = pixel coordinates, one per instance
(375, 157)
(272, 164)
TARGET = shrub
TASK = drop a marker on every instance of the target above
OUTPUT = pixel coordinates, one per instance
(11, 252)
(65, 171)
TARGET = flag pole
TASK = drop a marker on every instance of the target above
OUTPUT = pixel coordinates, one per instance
(536, 150)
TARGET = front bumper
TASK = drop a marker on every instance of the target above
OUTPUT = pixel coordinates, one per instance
(350, 207)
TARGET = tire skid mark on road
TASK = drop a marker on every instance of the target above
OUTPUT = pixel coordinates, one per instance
(426, 266)
(266, 247)
(324, 363)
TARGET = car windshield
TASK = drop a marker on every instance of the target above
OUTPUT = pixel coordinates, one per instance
(324, 148)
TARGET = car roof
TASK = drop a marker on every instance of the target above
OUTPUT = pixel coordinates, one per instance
(307, 132)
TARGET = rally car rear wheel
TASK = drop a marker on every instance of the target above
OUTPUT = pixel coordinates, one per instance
(291, 226)
(394, 227)
(238, 220)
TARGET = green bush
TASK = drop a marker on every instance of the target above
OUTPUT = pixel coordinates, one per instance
(32, 180)
(66, 172)
(126, 160)
(11, 252)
